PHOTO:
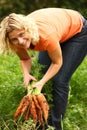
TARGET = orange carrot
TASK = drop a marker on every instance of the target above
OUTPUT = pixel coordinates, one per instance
(44, 105)
(33, 112)
(34, 98)
(33, 105)
(38, 110)
(22, 106)
(26, 114)
(27, 103)
(18, 111)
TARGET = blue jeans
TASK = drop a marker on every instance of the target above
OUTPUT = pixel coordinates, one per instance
(74, 51)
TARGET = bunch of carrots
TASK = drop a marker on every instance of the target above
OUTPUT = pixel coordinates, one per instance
(33, 105)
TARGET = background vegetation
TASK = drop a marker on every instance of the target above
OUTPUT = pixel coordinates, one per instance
(11, 80)
(12, 90)
(27, 6)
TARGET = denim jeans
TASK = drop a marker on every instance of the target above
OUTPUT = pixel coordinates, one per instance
(74, 51)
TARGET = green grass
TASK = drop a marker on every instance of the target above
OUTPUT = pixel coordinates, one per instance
(12, 90)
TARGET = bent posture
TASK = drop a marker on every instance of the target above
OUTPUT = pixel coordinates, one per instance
(60, 36)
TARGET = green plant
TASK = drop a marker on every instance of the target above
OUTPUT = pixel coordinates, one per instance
(12, 90)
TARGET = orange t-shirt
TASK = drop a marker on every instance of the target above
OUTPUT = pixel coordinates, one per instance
(55, 26)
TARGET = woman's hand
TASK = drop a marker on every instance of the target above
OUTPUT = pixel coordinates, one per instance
(27, 79)
(39, 85)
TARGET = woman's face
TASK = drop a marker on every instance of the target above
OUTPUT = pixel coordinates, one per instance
(19, 38)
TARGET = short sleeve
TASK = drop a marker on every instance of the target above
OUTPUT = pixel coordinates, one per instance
(52, 42)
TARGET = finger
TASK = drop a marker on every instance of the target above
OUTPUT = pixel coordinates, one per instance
(34, 79)
(26, 82)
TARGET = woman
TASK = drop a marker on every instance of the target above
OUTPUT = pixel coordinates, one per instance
(61, 37)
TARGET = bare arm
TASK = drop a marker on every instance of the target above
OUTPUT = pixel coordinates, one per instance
(25, 61)
(26, 67)
(56, 58)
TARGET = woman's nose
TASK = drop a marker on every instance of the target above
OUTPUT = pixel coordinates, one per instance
(20, 40)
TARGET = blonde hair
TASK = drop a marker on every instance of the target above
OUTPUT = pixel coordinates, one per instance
(17, 21)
